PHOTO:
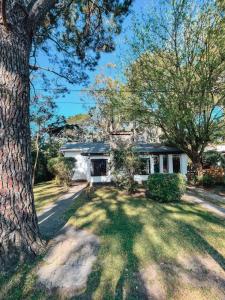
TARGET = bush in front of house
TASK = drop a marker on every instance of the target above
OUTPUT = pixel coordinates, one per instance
(62, 168)
(166, 187)
(126, 162)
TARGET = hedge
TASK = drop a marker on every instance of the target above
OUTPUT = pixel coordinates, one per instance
(62, 168)
(166, 187)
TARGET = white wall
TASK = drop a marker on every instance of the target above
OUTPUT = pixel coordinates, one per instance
(81, 165)
(82, 169)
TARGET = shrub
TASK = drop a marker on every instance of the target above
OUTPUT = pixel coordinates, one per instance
(125, 182)
(211, 176)
(166, 187)
(126, 162)
(213, 158)
(208, 180)
(62, 168)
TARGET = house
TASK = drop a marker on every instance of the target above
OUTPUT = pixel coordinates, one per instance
(92, 160)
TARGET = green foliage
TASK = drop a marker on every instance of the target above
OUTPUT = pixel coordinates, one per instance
(213, 159)
(41, 173)
(126, 162)
(47, 150)
(207, 180)
(74, 33)
(166, 187)
(177, 70)
(62, 168)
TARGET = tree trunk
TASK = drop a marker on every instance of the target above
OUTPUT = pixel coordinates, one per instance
(197, 164)
(37, 155)
(19, 233)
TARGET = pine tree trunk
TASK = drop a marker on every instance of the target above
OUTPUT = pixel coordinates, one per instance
(19, 233)
(36, 156)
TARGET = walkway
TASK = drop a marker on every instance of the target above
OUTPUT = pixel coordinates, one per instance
(205, 199)
(51, 219)
(71, 253)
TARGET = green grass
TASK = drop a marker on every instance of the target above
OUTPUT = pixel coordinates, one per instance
(138, 236)
(167, 250)
(47, 193)
(21, 284)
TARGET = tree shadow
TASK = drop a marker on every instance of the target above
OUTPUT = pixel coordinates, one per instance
(119, 226)
(122, 230)
(53, 219)
(162, 230)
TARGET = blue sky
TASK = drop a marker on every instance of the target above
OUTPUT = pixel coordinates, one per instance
(73, 103)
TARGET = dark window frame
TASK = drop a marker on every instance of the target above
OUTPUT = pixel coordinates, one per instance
(99, 167)
(156, 157)
(176, 156)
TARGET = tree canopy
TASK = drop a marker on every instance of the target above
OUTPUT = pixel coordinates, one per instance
(178, 73)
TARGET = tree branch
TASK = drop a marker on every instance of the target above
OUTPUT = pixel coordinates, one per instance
(35, 68)
(39, 10)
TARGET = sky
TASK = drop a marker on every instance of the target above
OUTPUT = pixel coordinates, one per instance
(73, 103)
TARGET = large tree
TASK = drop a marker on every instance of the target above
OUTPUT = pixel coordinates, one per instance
(80, 29)
(178, 73)
(112, 112)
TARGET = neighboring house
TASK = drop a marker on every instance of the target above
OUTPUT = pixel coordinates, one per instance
(93, 160)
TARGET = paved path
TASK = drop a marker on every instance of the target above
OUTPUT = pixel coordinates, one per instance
(193, 196)
(71, 253)
(51, 219)
(207, 195)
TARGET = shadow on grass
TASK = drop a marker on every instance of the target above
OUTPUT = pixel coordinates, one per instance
(52, 220)
(135, 232)
(21, 283)
(123, 231)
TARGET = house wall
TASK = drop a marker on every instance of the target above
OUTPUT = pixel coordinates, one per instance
(99, 179)
(81, 165)
(82, 169)
(183, 166)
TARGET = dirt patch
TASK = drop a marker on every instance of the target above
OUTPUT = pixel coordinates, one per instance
(68, 263)
(199, 277)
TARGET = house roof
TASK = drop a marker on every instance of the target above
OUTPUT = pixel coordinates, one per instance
(100, 147)
(156, 148)
(87, 148)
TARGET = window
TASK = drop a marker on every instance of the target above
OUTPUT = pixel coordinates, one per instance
(176, 163)
(156, 163)
(165, 164)
(144, 166)
(98, 167)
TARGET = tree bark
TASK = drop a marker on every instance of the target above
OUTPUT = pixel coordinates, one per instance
(197, 164)
(19, 232)
(37, 155)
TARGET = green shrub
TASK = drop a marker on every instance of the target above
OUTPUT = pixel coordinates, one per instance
(208, 180)
(166, 187)
(213, 158)
(62, 168)
(126, 162)
(125, 182)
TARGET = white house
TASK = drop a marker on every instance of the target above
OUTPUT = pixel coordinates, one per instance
(92, 160)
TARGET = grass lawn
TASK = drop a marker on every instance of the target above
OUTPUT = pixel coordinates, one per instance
(147, 251)
(47, 193)
(168, 251)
